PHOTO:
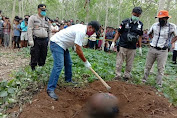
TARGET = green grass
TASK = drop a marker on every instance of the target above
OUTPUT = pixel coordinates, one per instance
(103, 63)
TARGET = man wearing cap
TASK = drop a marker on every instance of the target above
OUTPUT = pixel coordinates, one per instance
(39, 31)
(130, 32)
(60, 42)
(161, 33)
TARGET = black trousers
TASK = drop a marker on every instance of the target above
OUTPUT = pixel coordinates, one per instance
(39, 52)
(92, 44)
(17, 41)
(174, 56)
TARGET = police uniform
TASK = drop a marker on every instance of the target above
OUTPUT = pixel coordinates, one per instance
(127, 48)
(39, 31)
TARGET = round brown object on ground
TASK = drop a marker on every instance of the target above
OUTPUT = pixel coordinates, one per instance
(103, 105)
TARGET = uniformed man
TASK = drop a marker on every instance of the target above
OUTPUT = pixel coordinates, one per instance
(130, 31)
(59, 44)
(161, 33)
(39, 31)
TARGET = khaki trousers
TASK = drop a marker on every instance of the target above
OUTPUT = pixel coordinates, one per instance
(161, 57)
(127, 55)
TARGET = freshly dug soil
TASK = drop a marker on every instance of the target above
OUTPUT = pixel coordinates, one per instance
(134, 102)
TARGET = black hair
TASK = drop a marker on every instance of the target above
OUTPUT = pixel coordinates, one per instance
(95, 25)
(0, 11)
(137, 10)
(16, 17)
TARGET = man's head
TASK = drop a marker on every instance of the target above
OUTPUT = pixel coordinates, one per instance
(42, 10)
(136, 13)
(69, 23)
(82, 22)
(163, 17)
(92, 27)
(77, 21)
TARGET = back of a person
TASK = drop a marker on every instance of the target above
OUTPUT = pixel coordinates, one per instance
(68, 35)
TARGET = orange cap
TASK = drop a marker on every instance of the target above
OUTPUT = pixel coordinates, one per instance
(162, 14)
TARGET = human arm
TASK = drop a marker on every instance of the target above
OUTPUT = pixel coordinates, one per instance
(117, 35)
(81, 55)
(49, 31)
(30, 31)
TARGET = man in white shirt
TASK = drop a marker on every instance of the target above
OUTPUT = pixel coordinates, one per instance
(60, 42)
(160, 32)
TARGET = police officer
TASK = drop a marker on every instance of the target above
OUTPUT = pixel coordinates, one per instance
(130, 32)
(39, 31)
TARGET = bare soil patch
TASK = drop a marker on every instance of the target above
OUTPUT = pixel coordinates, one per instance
(135, 101)
(10, 60)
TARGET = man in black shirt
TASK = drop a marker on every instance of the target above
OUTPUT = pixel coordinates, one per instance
(130, 32)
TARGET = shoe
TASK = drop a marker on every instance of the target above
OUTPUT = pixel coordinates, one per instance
(117, 78)
(52, 95)
(33, 68)
(160, 85)
(72, 82)
(125, 78)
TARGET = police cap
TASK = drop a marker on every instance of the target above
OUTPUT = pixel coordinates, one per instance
(42, 7)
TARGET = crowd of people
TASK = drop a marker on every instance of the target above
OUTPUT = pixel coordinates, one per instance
(20, 37)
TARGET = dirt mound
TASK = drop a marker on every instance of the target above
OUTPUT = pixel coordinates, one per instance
(134, 102)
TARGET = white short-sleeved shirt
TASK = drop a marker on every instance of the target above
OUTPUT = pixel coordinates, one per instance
(70, 36)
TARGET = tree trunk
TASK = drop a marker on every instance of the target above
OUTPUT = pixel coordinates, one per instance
(19, 7)
(87, 11)
(168, 5)
(161, 5)
(119, 11)
(106, 20)
(22, 4)
(13, 15)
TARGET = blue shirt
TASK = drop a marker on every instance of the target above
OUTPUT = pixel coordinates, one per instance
(16, 31)
(24, 27)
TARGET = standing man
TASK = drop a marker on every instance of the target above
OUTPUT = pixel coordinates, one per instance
(39, 31)
(130, 32)
(160, 33)
(60, 42)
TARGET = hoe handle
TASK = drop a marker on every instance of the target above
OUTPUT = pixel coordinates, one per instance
(102, 81)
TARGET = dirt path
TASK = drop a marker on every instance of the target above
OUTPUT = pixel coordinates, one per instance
(134, 102)
(10, 60)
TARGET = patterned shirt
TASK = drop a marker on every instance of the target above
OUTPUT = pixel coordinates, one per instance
(162, 35)
(7, 29)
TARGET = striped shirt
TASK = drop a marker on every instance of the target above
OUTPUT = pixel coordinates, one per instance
(162, 35)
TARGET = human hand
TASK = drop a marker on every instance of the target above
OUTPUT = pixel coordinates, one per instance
(112, 46)
(87, 64)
